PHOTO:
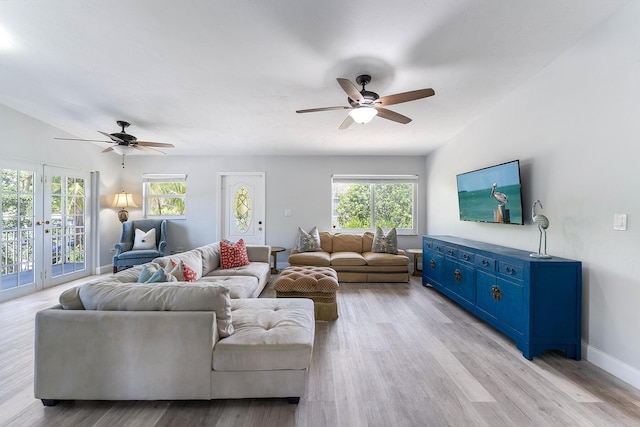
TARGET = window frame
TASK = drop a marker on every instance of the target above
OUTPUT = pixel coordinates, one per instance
(150, 178)
(376, 179)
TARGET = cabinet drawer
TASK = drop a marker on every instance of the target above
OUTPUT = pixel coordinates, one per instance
(451, 251)
(465, 256)
(485, 262)
(511, 269)
(428, 245)
(438, 247)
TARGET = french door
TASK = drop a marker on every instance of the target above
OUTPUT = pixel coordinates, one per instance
(241, 207)
(43, 231)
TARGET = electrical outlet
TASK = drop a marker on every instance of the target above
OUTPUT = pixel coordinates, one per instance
(620, 222)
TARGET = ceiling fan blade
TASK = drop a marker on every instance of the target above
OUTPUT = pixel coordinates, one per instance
(155, 144)
(107, 150)
(149, 150)
(405, 96)
(76, 139)
(348, 121)
(113, 138)
(392, 115)
(313, 110)
(351, 90)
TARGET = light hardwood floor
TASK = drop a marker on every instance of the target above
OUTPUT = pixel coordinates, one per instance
(399, 355)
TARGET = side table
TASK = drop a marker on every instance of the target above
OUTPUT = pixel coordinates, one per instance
(417, 255)
(274, 254)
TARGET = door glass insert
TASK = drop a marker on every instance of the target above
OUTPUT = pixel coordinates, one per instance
(18, 245)
(67, 225)
(242, 209)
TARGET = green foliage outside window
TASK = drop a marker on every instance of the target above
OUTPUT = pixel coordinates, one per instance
(392, 205)
(166, 198)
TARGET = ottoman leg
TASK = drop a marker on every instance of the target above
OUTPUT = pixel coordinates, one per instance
(325, 311)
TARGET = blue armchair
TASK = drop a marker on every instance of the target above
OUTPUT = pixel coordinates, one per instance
(126, 257)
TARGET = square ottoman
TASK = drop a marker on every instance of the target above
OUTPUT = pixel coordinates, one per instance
(316, 283)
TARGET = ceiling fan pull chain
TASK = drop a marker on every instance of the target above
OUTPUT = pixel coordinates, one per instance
(123, 161)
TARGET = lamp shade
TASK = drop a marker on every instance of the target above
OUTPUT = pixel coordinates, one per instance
(123, 200)
(363, 114)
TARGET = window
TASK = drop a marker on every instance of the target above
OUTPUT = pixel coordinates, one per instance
(364, 202)
(164, 195)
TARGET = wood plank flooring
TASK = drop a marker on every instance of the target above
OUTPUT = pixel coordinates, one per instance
(398, 355)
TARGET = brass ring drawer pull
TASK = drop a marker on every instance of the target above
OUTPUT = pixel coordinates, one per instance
(458, 275)
(433, 263)
(496, 293)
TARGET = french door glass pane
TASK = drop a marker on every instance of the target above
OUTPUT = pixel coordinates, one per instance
(17, 228)
(68, 252)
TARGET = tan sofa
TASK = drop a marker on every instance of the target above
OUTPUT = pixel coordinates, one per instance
(351, 257)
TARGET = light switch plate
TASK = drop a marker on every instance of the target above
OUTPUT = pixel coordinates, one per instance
(620, 222)
(287, 212)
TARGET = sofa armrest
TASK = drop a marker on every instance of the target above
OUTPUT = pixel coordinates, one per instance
(259, 253)
(123, 355)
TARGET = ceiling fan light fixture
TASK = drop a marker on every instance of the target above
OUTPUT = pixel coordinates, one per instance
(123, 150)
(363, 114)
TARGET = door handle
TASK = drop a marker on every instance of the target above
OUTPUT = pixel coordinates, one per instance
(46, 230)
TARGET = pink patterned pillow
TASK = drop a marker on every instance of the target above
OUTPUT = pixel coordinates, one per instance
(233, 255)
(182, 269)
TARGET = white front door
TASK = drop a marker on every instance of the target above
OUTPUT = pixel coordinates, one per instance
(242, 207)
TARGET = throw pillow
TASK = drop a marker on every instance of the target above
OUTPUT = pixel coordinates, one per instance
(157, 277)
(233, 254)
(385, 244)
(145, 274)
(144, 240)
(181, 271)
(308, 242)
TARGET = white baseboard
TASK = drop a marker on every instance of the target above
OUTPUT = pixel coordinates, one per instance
(615, 367)
(104, 269)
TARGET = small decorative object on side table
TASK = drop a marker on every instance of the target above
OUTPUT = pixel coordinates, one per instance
(417, 255)
(274, 254)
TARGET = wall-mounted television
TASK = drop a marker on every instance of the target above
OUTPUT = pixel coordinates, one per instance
(492, 194)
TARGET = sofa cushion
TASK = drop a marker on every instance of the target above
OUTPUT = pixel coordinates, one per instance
(210, 255)
(326, 241)
(270, 334)
(347, 258)
(385, 243)
(343, 242)
(321, 259)
(367, 241)
(308, 242)
(179, 296)
(377, 258)
(239, 286)
(70, 299)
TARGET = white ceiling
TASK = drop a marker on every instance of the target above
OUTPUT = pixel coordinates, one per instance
(226, 77)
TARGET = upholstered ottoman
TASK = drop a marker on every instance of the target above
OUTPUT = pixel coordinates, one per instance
(316, 283)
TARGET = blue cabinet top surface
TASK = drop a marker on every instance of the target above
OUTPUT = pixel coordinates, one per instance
(492, 249)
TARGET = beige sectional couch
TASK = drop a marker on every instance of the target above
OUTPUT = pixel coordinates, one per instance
(351, 257)
(116, 339)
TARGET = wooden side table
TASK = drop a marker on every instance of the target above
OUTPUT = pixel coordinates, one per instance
(417, 255)
(274, 254)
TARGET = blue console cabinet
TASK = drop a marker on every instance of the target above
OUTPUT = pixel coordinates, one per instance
(537, 302)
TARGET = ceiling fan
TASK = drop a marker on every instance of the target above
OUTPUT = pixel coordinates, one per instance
(365, 105)
(125, 143)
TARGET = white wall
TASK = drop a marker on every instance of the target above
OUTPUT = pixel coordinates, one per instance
(576, 129)
(301, 184)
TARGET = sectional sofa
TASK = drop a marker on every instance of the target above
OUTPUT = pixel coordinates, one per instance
(116, 339)
(351, 257)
